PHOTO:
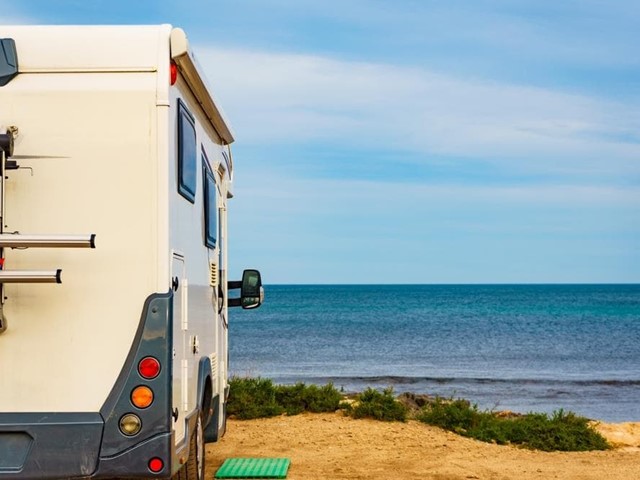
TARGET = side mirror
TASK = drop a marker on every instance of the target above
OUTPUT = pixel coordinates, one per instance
(251, 291)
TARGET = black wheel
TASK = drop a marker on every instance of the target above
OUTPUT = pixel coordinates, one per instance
(195, 467)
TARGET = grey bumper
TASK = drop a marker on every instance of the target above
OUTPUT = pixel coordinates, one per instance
(49, 445)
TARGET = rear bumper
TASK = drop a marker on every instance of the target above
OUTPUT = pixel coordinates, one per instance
(67, 445)
(81, 445)
(49, 445)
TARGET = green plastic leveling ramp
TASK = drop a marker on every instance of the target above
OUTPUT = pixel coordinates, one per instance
(254, 468)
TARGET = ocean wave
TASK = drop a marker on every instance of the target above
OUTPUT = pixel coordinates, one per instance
(391, 380)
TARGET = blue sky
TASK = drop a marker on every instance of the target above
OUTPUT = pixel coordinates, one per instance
(408, 141)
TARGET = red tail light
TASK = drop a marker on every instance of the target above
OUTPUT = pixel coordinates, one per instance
(156, 464)
(149, 368)
(174, 73)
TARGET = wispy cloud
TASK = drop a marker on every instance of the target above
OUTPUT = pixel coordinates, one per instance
(418, 140)
(467, 35)
(286, 98)
(364, 230)
(326, 196)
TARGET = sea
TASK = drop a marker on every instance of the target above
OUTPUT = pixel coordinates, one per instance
(523, 348)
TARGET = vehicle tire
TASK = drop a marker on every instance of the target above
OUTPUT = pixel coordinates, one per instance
(195, 467)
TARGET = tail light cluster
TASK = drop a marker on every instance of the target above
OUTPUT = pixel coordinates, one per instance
(141, 398)
(138, 421)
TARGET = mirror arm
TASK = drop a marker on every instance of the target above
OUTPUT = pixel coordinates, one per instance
(234, 302)
(232, 284)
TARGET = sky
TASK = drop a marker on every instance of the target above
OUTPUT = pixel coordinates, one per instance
(417, 141)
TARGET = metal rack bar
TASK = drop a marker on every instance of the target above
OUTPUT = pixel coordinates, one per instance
(31, 276)
(16, 240)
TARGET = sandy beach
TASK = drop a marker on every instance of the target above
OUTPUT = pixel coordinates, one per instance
(333, 446)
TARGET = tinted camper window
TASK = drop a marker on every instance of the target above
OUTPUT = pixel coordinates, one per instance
(210, 205)
(187, 153)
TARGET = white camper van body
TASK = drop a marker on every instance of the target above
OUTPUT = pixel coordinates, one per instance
(102, 121)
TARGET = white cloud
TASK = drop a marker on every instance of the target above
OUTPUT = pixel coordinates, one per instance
(574, 31)
(280, 98)
(300, 196)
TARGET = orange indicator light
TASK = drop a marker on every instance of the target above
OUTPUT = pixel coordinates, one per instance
(142, 396)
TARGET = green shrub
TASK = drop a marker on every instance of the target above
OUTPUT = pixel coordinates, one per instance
(455, 415)
(257, 397)
(291, 398)
(252, 398)
(560, 431)
(322, 399)
(300, 398)
(379, 406)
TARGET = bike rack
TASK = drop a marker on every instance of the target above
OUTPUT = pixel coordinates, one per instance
(24, 241)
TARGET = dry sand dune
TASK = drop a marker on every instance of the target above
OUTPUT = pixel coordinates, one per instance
(332, 446)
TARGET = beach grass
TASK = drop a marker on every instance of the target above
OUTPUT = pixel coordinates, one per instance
(378, 405)
(259, 398)
(300, 398)
(560, 431)
(251, 398)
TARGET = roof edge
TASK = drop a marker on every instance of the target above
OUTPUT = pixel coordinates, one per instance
(182, 55)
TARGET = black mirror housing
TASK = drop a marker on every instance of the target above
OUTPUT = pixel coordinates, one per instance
(251, 293)
(251, 290)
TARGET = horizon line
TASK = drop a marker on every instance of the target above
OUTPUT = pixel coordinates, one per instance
(462, 284)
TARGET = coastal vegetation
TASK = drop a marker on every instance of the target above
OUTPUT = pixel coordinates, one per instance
(561, 431)
(377, 405)
(258, 398)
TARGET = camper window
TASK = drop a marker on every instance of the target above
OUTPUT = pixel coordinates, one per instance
(187, 153)
(210, 205)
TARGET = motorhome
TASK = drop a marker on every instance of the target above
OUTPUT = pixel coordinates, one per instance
(115, 174)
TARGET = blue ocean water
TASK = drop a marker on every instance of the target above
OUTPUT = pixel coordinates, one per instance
(509, 347)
